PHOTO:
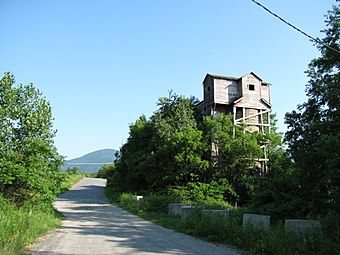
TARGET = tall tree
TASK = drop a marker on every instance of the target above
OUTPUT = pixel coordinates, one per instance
(29, 162)
(163, 151)
(180, 143)
(313, 134)
(136, 158)
(234, 152)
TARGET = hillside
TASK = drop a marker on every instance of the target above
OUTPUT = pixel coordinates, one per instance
(100, 156)
(92, 161)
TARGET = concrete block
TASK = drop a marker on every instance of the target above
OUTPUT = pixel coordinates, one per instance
(216, 213)
(301, 227)
(256, 220)
(174, 209)
(187, 210)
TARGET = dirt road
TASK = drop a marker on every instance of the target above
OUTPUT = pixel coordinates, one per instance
(93, 226)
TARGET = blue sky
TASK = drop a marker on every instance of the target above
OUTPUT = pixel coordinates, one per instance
(102, 64)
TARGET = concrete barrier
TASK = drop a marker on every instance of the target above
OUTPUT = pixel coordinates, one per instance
(174, 209)
(138, 197)
(187, 210)
(256, 220)
(301, 227)
(216, 213)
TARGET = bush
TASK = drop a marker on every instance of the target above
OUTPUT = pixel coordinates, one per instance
(331, 231)
(156, 203)
(211, 194)
(106, 171)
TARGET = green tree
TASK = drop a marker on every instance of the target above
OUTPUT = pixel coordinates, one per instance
(29, 162)
(165, 150)
(313, 133)
(106, 171)
(234, 152)
(175, 149)
(136, 158)
(180, 144)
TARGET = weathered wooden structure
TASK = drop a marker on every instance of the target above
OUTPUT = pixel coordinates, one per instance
(247, 98)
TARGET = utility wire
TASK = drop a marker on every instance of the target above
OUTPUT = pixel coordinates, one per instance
(316, 40)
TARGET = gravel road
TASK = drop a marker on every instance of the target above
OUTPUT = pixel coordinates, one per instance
(93, 226)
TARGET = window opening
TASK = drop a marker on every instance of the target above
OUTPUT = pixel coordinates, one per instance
(251, 86)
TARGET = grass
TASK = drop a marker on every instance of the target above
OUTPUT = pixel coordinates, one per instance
(19, 227)
(229, 231)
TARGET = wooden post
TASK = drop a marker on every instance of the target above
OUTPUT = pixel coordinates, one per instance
(234, 119)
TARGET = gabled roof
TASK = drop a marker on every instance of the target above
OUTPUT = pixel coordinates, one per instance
(218, 76)
(258, 77)
(255, 75)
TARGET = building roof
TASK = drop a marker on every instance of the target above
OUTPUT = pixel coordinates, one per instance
(218, 76)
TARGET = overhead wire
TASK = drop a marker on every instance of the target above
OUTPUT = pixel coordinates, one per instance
(316, 40)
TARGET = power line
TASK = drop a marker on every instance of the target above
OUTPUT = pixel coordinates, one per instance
(316, 40)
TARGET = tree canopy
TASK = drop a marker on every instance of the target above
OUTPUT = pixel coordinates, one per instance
(313, 135)
(29, 162)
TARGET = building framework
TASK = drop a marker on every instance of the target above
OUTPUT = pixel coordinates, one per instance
(247, 98)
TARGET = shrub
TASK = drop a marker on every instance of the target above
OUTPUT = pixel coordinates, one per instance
(156, 203)
(211, 194)
(106, 171)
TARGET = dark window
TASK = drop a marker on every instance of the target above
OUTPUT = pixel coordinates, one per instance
(208, 89)
(251, 86)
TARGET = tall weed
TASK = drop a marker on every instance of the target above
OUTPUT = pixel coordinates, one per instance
(20, 226)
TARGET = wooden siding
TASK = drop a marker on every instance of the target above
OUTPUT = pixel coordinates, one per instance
(208, 88)
(248, 92)
(252, 98)
(226, 91)
(234, 91)
(265, 92)
(221, 91)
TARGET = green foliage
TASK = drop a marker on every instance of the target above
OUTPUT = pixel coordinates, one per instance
(136, 158)
(151, 203)
(313, 130)
(156, 203)
(166, 150)
(234, 152)
(106, 171)
(275, 194)
(212, 194)
(331, 229)
(29, 162)
(20, 226)
(70, 177)
(196, 159)
(230, 231)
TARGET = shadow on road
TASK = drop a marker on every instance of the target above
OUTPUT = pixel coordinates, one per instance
(89, 216)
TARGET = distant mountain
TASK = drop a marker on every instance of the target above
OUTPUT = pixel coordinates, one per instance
(100, 156)
(92, 161)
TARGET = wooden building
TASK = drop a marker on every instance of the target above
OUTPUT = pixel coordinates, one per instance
(247, 98)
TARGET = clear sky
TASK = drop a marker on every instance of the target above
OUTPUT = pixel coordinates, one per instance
(101, 64)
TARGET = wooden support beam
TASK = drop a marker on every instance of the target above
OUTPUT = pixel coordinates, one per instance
(250, 116)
